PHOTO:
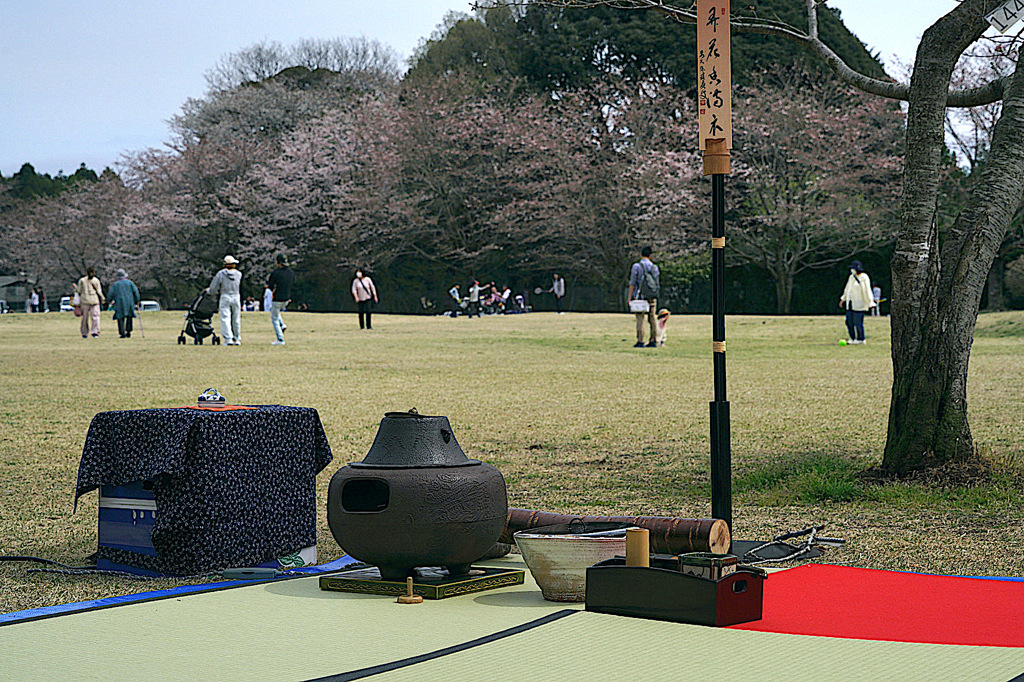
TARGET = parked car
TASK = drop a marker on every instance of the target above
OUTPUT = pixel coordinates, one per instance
(149, 306)
(65, 304)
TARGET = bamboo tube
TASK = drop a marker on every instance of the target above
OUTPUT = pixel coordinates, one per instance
(638, 547)
(667, 535)
(716, 158)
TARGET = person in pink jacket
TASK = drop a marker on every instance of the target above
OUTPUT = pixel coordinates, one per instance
(365, 295)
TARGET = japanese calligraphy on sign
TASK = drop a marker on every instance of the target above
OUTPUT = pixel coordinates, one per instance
(714, 72)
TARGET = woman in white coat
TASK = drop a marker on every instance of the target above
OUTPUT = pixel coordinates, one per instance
(857, 301)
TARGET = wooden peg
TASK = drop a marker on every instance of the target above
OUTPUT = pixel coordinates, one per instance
(409, 597)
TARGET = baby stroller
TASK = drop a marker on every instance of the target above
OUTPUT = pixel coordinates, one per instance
(197, 319)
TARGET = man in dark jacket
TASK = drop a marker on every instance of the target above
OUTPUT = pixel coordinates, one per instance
(280, 283)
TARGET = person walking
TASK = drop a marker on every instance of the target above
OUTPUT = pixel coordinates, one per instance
(280, 286)
(226, 285)
(456, 297)
(856, 301)
(124, 295)
(90, 296)
(365, 295)
(268, 298)
(663, 316)
(644, 285)
(558, 289)
(474, 299)
(876, 296)
(33, 301)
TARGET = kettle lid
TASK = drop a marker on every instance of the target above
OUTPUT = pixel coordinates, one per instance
(411, 440)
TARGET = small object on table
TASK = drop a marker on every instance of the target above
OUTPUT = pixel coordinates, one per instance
(211, 397)
(409, 597)
(707, 565)
(638, 547)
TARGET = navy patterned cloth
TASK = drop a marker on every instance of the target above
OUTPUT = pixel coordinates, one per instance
(232, 488)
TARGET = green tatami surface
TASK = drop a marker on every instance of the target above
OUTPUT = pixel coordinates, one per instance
(593, 646)
(288, 630)
(292, 630)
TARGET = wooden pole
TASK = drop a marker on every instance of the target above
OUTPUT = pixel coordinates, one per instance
(721, 455)
(714, 104)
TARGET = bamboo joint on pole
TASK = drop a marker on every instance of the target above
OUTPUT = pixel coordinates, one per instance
(716, 158)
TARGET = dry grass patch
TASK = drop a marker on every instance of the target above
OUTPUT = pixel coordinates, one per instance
(575, 418)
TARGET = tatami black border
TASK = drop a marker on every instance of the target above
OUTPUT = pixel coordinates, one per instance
(405, 662)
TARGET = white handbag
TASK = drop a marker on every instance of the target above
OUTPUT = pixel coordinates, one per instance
(639, 305)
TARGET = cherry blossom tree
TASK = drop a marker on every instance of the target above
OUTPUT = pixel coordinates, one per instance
(819, 176)
(55, 239)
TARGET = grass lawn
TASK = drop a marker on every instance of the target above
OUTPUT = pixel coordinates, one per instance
(575, 418)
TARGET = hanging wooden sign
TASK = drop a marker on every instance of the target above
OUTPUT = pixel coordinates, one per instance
(714, 77)
(1006, 15)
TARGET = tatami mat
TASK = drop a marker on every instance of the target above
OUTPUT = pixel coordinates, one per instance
(594, 647)
(288, 630)
(294, 631)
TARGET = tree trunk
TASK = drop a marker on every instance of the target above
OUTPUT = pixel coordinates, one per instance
(783, 291)
(996, 290)
(936, 295)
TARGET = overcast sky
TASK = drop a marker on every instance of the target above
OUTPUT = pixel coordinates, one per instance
(84, 82)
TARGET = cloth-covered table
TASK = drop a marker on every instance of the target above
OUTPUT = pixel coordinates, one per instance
(233, 487)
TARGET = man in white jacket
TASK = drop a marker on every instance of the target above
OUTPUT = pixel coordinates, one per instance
(857, 301)
(226, 284)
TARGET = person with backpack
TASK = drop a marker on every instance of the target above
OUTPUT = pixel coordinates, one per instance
(644, 286)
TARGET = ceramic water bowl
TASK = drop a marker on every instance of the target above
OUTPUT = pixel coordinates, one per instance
(558, 556)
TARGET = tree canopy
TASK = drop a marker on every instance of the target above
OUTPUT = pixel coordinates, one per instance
(559, 48)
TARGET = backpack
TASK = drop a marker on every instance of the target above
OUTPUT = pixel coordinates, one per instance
(649, 287)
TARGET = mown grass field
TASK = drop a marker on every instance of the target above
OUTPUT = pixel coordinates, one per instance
(575, 418)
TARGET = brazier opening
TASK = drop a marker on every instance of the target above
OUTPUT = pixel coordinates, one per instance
(365, 495)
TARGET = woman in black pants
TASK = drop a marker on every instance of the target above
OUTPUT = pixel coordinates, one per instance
(365, 295)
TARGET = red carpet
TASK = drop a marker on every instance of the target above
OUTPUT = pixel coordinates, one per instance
(861, 603)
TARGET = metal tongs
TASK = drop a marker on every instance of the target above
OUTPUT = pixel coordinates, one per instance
(791, 552)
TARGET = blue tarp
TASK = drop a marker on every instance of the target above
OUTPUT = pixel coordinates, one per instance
(63, 609)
